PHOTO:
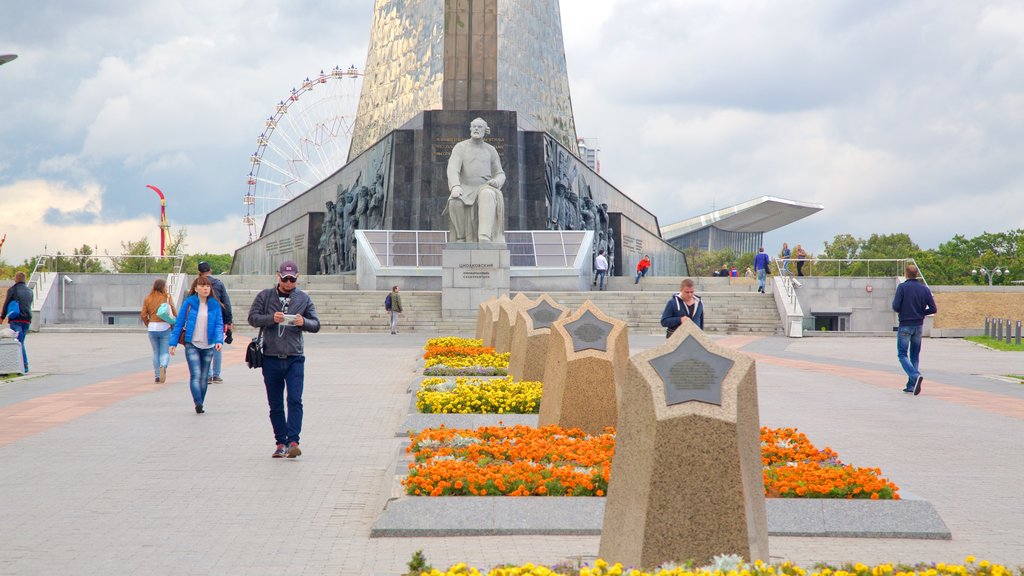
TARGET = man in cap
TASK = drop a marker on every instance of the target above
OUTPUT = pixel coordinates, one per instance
(283, 313)
(222, 295)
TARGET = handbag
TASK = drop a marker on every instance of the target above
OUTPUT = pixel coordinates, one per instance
(181, 338)
(163, 312)
(254, 351)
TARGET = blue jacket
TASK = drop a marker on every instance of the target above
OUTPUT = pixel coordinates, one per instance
(675, 310)
(913, 301)
(761, 261)
(187, 321)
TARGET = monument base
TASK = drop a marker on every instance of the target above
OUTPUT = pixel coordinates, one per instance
(470, 274)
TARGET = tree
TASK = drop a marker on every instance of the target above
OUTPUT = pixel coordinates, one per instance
(134, 257)
(85, 264)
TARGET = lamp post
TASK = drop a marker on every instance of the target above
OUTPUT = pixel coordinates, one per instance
(985, 272)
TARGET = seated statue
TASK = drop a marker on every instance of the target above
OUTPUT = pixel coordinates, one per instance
(476, 207)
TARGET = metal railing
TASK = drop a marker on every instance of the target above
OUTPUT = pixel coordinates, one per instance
(867, 267)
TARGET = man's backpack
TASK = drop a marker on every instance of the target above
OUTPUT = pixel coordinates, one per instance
(13, 310)
(387, 302)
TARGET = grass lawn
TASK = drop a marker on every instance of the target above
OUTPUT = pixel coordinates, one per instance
(997, 344)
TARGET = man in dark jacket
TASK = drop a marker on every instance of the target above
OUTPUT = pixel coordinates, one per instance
(913, 302)
(683, 305)
(21, 294)
(221, 292)
(284, 313)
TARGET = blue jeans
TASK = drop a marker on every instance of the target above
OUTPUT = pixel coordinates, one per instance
(198, 370)
(640, 274)
(217, 357)
(761, 276)
(160, 341)
(909, 337)
(599, 276)
(21, 329)
(280, 374)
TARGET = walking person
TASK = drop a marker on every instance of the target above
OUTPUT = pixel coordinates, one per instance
(642, 267)
(784, 254)
(600, 269)
(913, 301)
(393, 304)
(159, 329)
(222, 295)
(284, 312)
(761, 263)
(17, 311)
(801, 259)
(684, 305)
(201, 327)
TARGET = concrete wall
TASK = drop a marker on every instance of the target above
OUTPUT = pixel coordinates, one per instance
(87, 296)
(870, 311)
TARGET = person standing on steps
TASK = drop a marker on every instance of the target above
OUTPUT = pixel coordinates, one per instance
(785, 255)
(284, 312)
(761, 263)
(913, 301)
(393, 304)
(222, 295)
(684, 305)
(600, 269)
(642, 267)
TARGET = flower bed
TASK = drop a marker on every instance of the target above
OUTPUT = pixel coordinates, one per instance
(478, 365)
(726, 565)
(478, 396)
(453, 341)
(525, 461)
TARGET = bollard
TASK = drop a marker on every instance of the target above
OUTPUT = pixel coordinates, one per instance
(1018, 333)
(986, 327)
(999, 329)
(1007, 330)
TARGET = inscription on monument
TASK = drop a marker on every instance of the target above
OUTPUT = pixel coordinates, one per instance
(442, 146)
(589, 333)
(692, 373)
(543, 315)
(476, 271)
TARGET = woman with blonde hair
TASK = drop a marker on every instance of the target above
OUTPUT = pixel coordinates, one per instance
(200, 326)
(159, 329)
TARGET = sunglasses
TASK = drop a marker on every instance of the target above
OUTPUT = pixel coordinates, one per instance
(289, 278)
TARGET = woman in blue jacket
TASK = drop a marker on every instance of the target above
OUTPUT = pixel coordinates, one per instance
(684, 304)
(200, 326)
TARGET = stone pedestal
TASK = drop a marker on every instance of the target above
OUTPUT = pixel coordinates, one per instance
(530, 338)
(470, 274)
(491, 314)
(10, 357)
(508, 313)
(587, 355)
(686, 479)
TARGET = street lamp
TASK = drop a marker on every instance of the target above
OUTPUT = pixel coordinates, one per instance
(985, 272)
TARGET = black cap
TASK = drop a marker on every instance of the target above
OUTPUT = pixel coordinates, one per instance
(204, 267)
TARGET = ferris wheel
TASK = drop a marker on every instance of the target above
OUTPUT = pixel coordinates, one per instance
(304, 141)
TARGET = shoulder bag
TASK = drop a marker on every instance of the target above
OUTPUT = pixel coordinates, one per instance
(254, 351)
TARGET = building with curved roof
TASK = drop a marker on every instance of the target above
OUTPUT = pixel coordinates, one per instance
(741, 227)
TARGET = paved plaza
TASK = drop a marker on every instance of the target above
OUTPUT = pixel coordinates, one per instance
(105, 472)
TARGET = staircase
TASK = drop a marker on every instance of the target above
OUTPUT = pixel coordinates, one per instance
(728, 308)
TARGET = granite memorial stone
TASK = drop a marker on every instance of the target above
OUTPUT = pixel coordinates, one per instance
(491, 321)
(587, 354)
(530, 338)
(686, 479)
(508, 313)
(482, 316)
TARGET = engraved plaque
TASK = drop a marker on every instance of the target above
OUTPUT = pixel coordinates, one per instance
(691, 372)
(589, 333)
(543, 315)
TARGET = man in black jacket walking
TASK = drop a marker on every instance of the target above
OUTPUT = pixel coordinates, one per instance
(20, 323)
(913, 302)
(284, 313)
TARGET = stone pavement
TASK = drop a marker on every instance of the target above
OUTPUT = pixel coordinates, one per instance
(105, 472)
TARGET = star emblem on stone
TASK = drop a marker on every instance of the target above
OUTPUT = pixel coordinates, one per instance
(589, 332)
(692, 373)
(543, 315)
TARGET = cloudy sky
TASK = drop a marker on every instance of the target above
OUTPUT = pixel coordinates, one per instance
(897, 116)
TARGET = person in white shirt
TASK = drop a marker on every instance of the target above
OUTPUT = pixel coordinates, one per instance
(600, 269)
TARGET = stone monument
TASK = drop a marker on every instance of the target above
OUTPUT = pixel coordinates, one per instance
(530, 338)
(476, 207)
(587, 354)
(491, 319)
(508, 313)
(11, 361)
(482, 316)
(686, 479)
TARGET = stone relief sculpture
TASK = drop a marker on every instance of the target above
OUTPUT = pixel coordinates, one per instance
(356, 207)
(571, 204)
(476, 206)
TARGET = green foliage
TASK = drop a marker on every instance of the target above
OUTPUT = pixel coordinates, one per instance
(704, 263)
(219, 263)
(418, 564)
(997, 344)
